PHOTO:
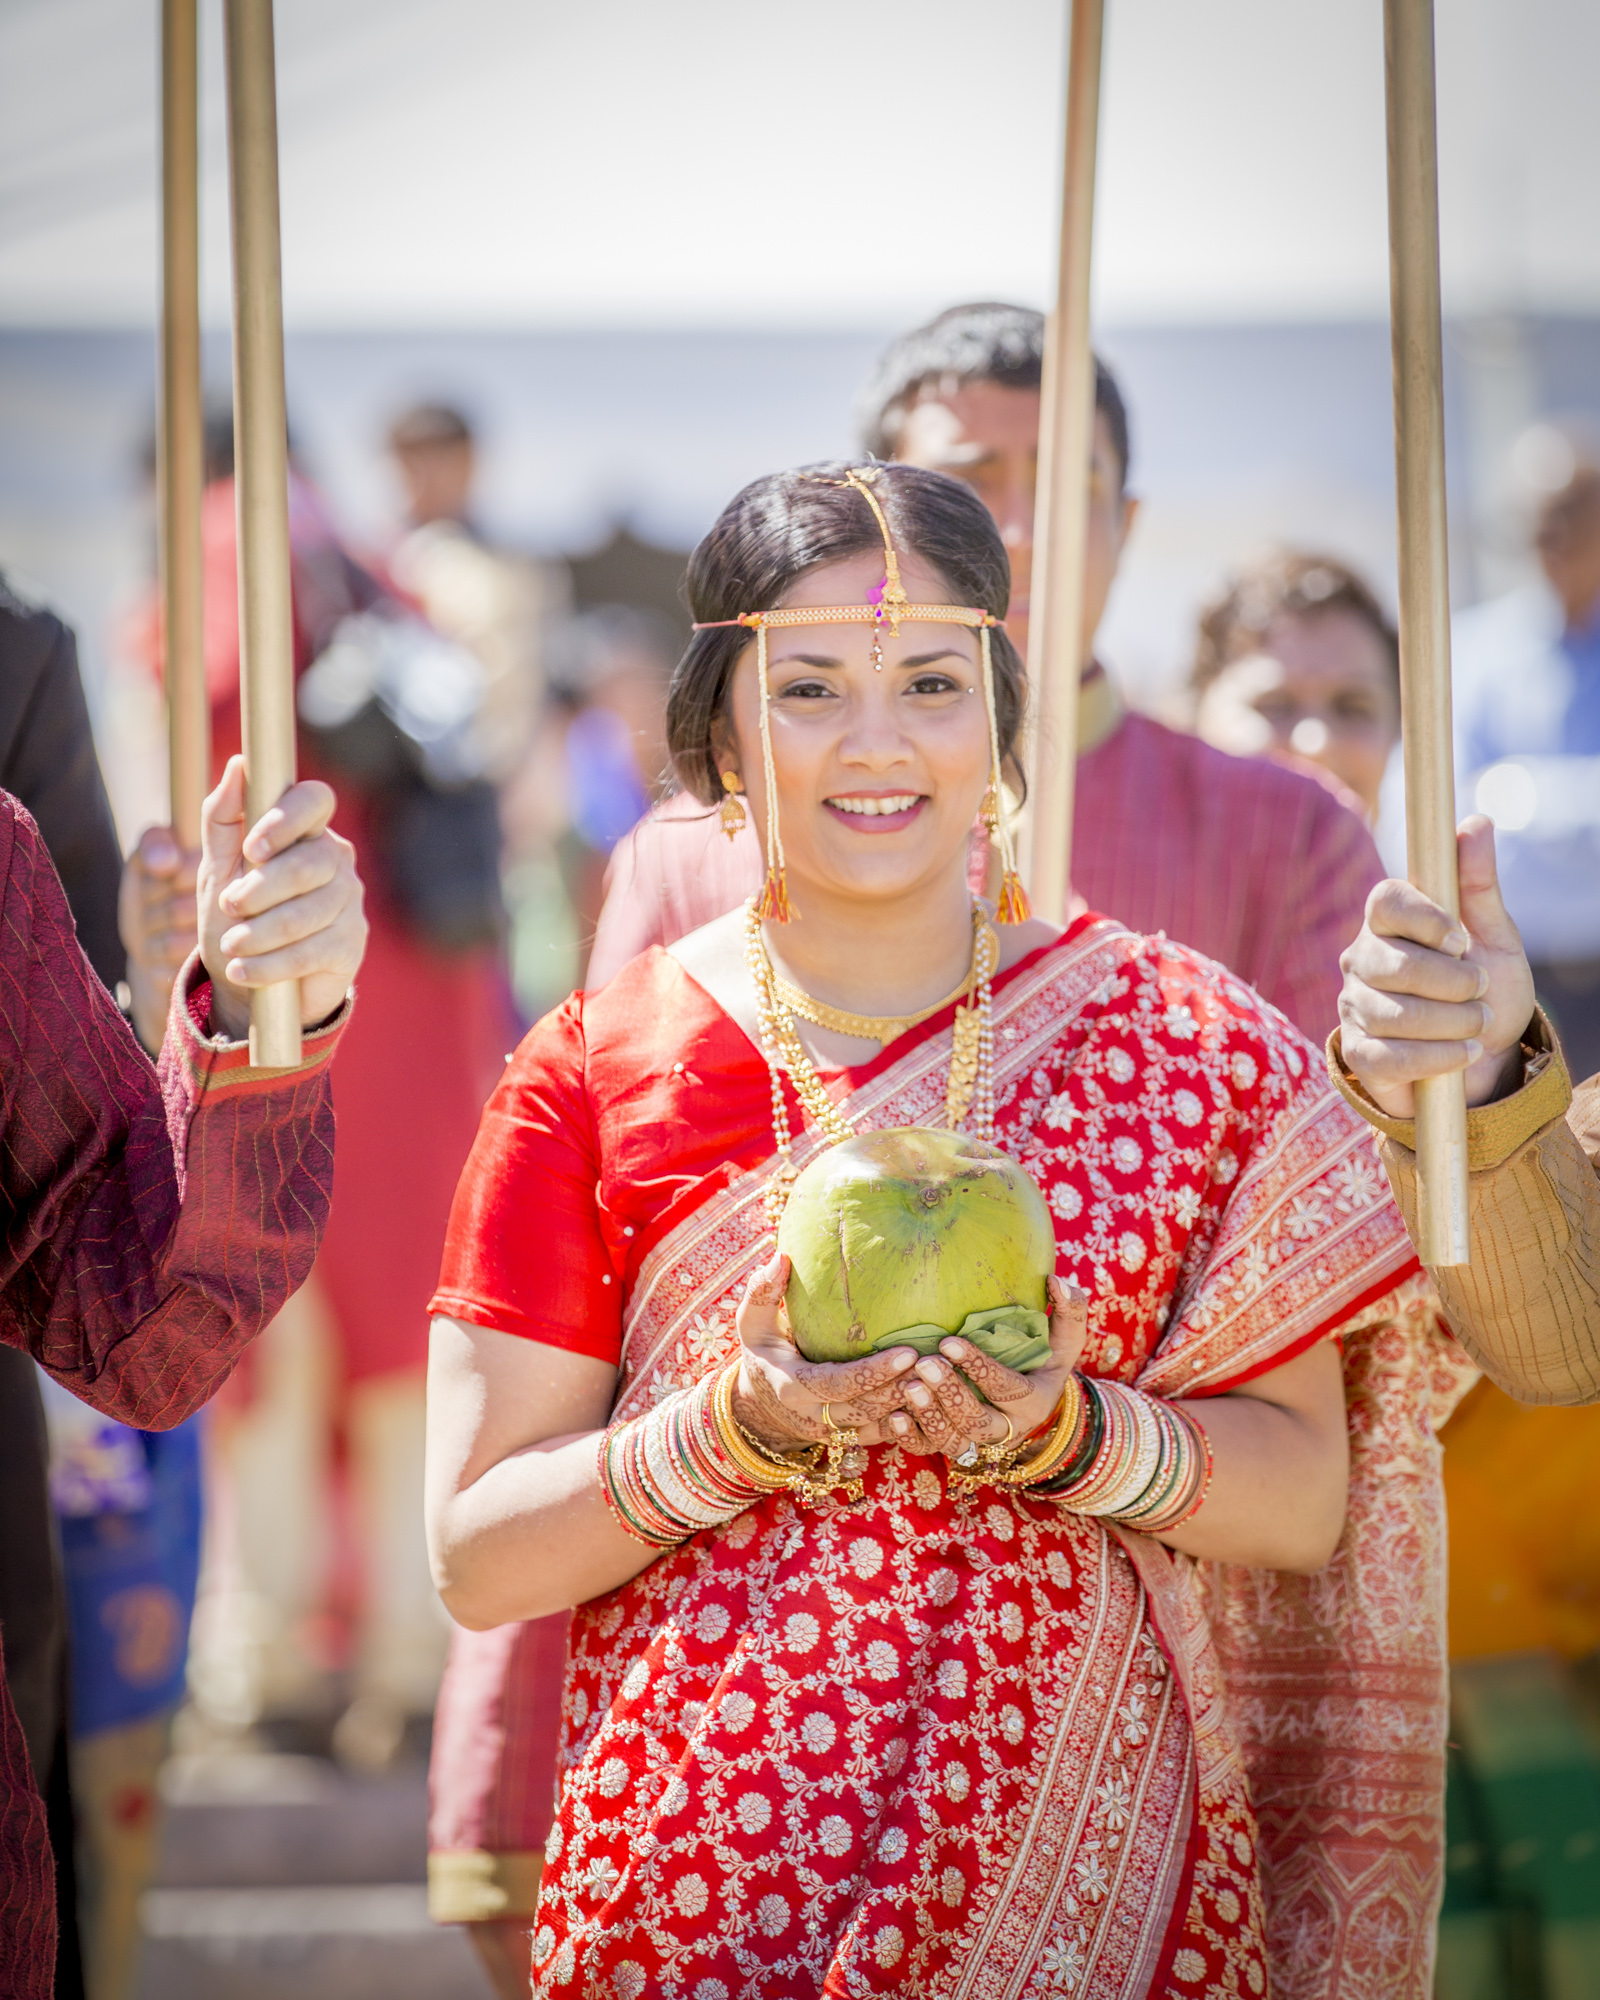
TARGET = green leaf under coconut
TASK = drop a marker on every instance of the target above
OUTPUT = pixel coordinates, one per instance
(1015, 1336)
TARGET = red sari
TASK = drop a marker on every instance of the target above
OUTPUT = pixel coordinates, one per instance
(966, 1744)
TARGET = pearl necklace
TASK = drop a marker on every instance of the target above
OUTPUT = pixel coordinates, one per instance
(971, 1053)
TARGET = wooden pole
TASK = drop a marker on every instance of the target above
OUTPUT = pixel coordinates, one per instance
(1066, 438)
(180, 445)
(261, 451)
(1441, 1123)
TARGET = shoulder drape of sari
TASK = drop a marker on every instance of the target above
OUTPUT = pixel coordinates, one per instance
(965, 1745)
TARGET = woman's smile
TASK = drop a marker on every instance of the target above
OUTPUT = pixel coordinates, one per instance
(876, 812)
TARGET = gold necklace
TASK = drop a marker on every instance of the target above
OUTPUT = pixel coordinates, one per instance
(884, 1028)
(971, 1053)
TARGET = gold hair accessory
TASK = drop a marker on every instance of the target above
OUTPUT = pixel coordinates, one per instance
(887, 605)
(733, 813)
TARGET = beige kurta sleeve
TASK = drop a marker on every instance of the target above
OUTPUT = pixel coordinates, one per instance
(1527, 1308)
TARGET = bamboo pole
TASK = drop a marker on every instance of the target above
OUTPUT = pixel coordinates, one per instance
(1441, 1122)
(1066, 438)
(261, 449)
(180, 446)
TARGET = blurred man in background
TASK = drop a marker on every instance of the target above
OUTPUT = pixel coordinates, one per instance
(1297, 660)
(499, 605)
(1527, 705)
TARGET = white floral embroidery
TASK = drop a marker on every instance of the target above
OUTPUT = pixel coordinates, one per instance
(887, 1946)
(673, 1799)
(1066, 1201)
(1059, 1569)
(578, 1708)
(1116, 1802)
(1228, 1907)
(866, 1558)
(1012, 1726)
(1119, 1065)
(926, 1490)
(833, 1836)
(613, 1776)
(713, 1621)
(1243, 1070)
(1186, 1207)
(957, 1782)
(628, 1981)
(1225, 1166)
(601, 1876)
(552, 1846)
(951, 1679)
(691, 1895)
(753, 1812)
(942, 1587)
(892, 1847)
(952, 1887)
(1000, 1522)
(738, 1710)
(1060, 1113)
(1180, 1024)
(636, 1679)
(1127, 1156)
(801, 1631)
(544, 1942)
(772, 1915)
(1189, 1966)
(1187, 1108)
(1131, 1250)
(881, 1660)
(817, 1733)
(1011, 1621)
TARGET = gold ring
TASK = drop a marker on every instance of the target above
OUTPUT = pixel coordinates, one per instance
(827, 1418)
(1004, 1444)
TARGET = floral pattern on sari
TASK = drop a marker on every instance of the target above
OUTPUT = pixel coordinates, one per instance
(956, 1744)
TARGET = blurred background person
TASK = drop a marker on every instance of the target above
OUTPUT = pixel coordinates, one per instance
(317, 1609)
(498, 604)
(1297, 659)
(1527, 708)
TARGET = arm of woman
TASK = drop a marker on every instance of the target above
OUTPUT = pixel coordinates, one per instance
(518, 1524)
(1280, 1449)
(1279, 1443)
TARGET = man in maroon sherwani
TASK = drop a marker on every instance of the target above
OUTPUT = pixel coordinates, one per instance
(155, 1220)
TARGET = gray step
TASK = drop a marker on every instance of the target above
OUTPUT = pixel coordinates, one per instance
(255, 1821)
(372, 1941)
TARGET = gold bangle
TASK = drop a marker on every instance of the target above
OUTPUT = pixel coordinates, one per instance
(761, 1467)
(1055, 1448)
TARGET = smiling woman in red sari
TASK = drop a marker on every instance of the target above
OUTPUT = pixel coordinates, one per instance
(1001, 1719)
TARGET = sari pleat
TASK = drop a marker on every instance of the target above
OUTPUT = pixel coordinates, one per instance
(966, 1744)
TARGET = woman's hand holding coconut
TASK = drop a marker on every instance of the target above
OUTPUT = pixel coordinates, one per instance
(896, 1396)
(788, 1402)
(945, 1410)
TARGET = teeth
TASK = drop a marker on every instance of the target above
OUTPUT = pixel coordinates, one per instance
(875, 808)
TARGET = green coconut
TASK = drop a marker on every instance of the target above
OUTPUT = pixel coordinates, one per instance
(899, 1239)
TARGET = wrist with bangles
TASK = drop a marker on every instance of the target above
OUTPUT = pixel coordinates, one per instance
(1112, 1451)
(688, 1465)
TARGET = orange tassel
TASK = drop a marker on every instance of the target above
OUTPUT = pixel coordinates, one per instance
(774, 906)
(1013, 906)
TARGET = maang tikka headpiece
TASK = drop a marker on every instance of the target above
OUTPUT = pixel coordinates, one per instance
(887, 605)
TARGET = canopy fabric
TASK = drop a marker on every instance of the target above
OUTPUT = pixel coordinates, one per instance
(516, 163)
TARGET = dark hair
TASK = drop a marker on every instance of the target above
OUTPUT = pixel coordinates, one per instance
(782, 526)
(427, 426)
(1289, 583)
(976, 343)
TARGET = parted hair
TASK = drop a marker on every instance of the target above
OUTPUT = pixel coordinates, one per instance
(780, 527)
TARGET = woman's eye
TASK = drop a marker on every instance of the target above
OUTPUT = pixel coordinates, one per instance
(806, 691)
(932, 684)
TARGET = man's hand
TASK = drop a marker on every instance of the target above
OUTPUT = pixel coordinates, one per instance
(279, 900)
(155, 914)
(1423, 996)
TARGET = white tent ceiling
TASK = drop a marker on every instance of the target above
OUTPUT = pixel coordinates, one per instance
(516, 163)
